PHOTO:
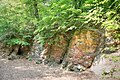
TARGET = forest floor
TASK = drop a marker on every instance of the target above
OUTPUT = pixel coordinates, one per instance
(21, 69)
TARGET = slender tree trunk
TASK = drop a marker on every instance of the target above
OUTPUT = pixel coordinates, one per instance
(36, 9)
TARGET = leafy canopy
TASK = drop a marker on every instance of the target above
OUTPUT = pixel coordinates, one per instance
(24, 20)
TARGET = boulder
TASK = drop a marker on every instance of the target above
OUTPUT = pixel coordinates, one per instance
(82, 49)
(34, 51)
(55, 51)
(76, 53)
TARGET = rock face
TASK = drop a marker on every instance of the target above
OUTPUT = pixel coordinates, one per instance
(35, 51)
(75, 52)
(13, 52)
(4, 51)
(82, 48)
(80, 52)
(55, 51)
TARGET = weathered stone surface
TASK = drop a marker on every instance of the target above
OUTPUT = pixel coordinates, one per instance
(35, 50)
(80, 53)
(13, 54)
(4, 50)
(77, 55)
(82, 48)
(9, 52)
(56, 50)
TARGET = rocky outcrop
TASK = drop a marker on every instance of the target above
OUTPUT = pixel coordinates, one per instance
(54, 52)
(82, 49)
(4, 51)
(76, 53)
(13, 52)
(75, 50)
(35, 51)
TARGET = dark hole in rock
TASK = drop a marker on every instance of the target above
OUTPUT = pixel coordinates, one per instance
(19, 51)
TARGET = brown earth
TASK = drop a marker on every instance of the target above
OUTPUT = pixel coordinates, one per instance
(21, 69)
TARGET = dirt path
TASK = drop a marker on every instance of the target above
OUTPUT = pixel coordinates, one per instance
(23, 69)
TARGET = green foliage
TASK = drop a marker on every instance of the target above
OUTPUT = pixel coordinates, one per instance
(106, 14)
(24, 20)
(17, 42)
(15, 25)
(58, 17)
